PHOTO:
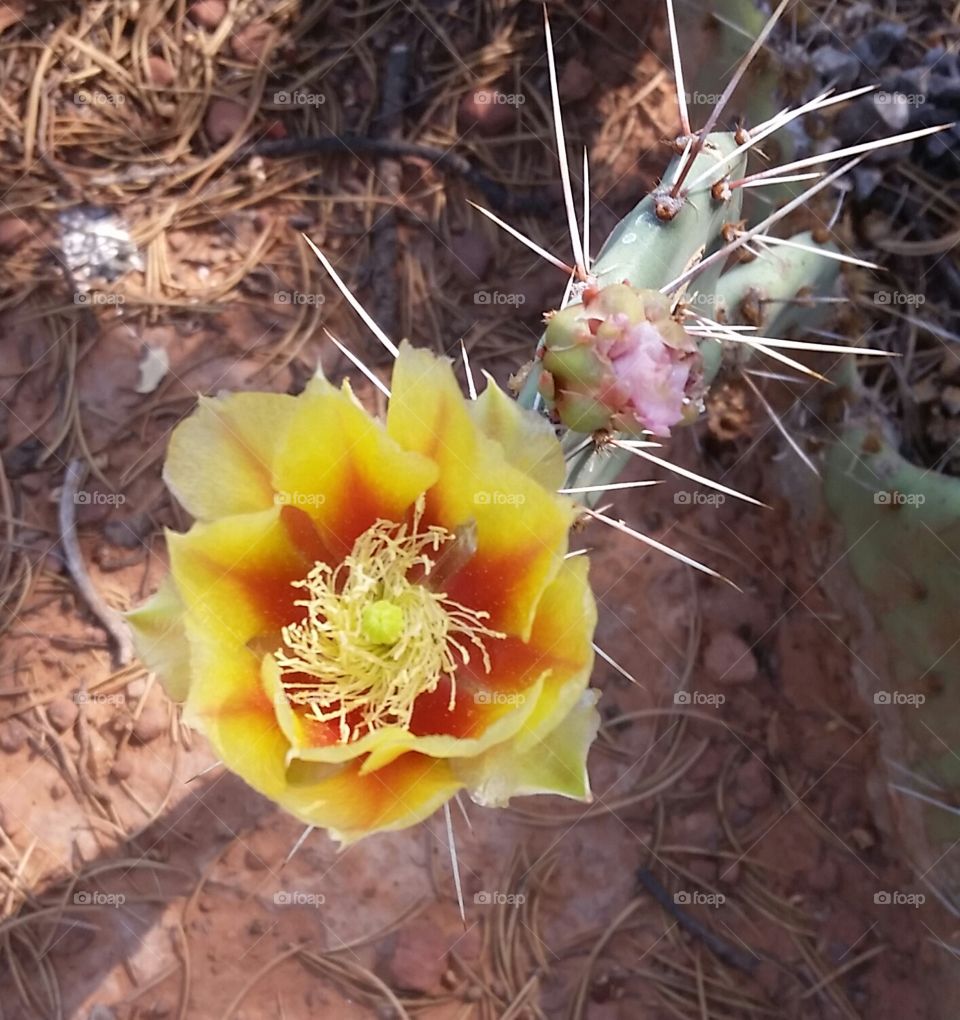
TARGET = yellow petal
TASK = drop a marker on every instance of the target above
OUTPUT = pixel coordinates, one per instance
(563, 632)
(548, 753)
(521, 528)
(353, 804)
(235, 574)
(527, 439)
(556, 764)
(228, 703)
(220, 459)
(160, 639)
(340, 466)
(428, 413)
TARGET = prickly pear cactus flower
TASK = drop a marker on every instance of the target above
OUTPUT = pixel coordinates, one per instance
(369, 616)
(619, 361)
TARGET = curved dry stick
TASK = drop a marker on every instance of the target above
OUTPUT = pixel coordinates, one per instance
(109, 618)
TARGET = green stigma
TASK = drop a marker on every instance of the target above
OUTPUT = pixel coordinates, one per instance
(381, 622)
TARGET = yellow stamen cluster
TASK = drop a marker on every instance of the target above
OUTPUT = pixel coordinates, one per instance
(375, 635)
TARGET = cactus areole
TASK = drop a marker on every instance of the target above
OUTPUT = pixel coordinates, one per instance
(619, 361)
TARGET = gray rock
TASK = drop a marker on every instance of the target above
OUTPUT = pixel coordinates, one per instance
(835, 65)
(62, 714)
(865, 181)
(13, 736)
(129, 532)
(875, 47)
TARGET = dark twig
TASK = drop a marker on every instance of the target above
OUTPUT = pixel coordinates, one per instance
(721, 948)
(500, 198)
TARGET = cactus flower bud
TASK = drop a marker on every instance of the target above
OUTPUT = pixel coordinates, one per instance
(619, 361)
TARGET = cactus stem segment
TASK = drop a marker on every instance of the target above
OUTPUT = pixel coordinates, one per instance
(827, 253)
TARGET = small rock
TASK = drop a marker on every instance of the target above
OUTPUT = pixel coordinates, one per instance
(700, 828)
(837, 66)
(13, 736)
(875, 47)
(13, 233)
(62, 714)
(753, 786)
(250, 43)
(824, 877)
(419, 958)
(866, 180)
(223, 120)
(253, 862)
(122, 767)
(576, 81)
(472, 255)
(160, 72)
(729, 660)
(101, 1013)
(487, 110)
(128, 532)
(951, 399)
(208, 13)
(944, 90)
(153, 722)
(57, 791)
(893, 109)
(135, 689)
